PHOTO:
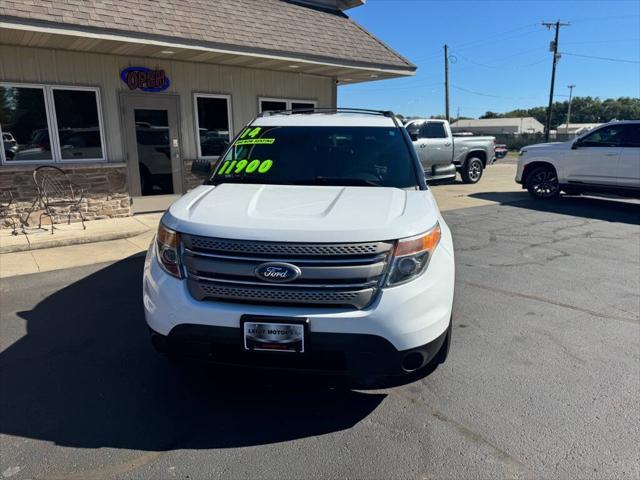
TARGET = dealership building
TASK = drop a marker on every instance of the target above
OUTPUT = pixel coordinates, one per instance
(136, 100)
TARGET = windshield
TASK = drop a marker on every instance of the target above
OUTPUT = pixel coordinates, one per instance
(350, 156)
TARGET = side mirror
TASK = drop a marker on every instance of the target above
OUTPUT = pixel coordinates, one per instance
(575, 145)
(414, 137)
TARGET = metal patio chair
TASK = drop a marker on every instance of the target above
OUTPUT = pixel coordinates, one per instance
(6, 200)
(56, 190)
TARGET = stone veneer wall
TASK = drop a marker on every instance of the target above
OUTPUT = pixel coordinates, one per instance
(105, 191)
(195, 172)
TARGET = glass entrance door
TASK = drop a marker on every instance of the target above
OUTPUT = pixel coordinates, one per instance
(154, 151)
(152, 146)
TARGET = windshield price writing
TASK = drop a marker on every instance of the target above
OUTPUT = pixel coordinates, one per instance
(235, 167)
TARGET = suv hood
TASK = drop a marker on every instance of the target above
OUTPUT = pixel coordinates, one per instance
(292, 213)
(548, 146)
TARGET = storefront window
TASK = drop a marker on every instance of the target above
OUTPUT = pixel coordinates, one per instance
(272, 105)
(302, 105)
(49, 124)
(213, 123)
(78, 124)
(23, 121)
(275, 104)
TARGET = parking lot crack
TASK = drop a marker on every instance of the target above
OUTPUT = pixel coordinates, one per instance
(536, 298)
(516, 468)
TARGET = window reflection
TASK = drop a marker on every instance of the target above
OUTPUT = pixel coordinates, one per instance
(23, 120)
(154, 151)
(213, 125)
(272, 106)
(78, 124)
(302, 106)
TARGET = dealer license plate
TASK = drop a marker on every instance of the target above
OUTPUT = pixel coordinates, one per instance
(274, 336)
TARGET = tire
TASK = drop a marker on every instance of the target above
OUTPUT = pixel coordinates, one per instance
(471, 171)
(542, 183)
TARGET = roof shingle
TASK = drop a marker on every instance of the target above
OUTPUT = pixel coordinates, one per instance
(263, 26)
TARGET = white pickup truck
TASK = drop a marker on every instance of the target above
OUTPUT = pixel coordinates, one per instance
(315, 245)
(442, 154)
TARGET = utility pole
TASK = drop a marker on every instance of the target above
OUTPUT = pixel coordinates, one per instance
(446, 82)
(571, 87)
(554, 48)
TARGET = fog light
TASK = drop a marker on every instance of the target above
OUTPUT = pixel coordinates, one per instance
(412, 361)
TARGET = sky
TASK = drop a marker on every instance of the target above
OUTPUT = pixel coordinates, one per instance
(499, 53)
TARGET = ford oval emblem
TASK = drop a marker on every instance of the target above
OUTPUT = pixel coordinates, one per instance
(277, 272)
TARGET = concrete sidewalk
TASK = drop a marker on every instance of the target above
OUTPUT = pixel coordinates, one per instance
(112, 240)
(64, 235)
(71, 246)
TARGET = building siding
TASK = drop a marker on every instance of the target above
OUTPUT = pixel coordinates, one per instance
(245, 85)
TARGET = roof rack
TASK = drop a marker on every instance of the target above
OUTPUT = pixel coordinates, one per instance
(366, 111)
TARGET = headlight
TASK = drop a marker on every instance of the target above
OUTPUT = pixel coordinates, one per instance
(522, 152)
(168, 250)
(411, 256)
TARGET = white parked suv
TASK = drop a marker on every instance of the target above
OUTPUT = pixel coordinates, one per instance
(315, 245)
(604, 160)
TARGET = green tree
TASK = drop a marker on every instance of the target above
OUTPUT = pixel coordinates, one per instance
(492, 115)
(583, 110)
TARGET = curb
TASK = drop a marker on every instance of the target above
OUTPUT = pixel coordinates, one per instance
(65, 242)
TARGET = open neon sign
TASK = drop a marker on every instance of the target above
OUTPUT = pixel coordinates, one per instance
(145, 79)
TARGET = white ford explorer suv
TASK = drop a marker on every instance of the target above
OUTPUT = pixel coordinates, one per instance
(605, 160)
(315, 245)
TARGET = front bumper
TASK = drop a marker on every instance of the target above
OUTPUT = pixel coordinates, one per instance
(415, 315)
(519, 171)
(328, 353)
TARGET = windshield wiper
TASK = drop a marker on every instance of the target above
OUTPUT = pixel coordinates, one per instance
(337, 181)
(220, 180)
(319, 180)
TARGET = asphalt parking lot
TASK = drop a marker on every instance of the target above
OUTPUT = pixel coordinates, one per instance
(543, 380)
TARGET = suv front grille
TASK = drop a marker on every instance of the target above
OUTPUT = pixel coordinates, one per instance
(298, 249)
(337, 275)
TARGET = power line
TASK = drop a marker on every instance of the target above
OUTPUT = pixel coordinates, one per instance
(601, 58)
(388, 89)
(497, 37)
(485, 41)
(492, 95)
(618, 40)
(601, 19)
(476, 93)
(488, 41)
(501, 67)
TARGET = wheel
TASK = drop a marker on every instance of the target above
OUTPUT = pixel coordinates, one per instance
(472, 170)
(542, 183)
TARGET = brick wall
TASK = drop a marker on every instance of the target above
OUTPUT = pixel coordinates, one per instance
(105, 191)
